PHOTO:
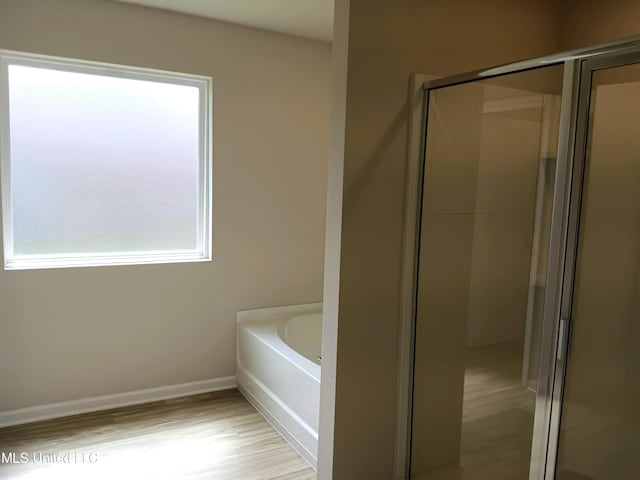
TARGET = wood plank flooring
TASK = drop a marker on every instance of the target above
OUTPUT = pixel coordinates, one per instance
(210, 436)
(221, 436)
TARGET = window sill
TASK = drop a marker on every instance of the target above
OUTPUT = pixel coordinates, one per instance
(33, 262)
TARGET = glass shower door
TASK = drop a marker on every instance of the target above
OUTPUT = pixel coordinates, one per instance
(488, 183)
(600, 421)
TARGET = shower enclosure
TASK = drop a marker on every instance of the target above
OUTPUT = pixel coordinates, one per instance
(526, 304)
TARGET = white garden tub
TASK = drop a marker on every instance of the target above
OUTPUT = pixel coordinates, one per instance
(278, 370)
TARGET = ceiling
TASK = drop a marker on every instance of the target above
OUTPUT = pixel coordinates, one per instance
(304, 18)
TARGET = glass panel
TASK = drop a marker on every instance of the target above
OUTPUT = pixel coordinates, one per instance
(485, 227)
(600, 426)
(101, 164)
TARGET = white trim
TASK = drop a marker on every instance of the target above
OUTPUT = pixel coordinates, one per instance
(106, 402)
(5, 154)
(205, 223)
(204, 85)
(29, 262)
(413, 188)
(102, 68)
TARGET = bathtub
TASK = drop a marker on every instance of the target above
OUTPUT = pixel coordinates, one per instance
(278, 370)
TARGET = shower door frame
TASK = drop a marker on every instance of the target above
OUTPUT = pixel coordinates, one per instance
(588, 66)
(566, 208)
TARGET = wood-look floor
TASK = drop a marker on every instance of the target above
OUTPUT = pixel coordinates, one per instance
(221, 436)
(210, 436)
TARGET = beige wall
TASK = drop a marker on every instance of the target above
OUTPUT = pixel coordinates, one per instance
(387, 41)
(73, 333)
(384, 42)
(591, 22)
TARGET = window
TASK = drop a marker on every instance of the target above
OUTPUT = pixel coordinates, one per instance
(102, 164)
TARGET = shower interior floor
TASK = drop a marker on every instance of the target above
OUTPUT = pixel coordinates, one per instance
(497, 421)
(497, 418)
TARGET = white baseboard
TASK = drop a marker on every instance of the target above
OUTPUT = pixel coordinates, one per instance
(105, 402)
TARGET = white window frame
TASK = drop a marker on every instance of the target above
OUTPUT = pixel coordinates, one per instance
(201, 253)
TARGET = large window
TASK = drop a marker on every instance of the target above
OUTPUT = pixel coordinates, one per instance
(102, 164)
